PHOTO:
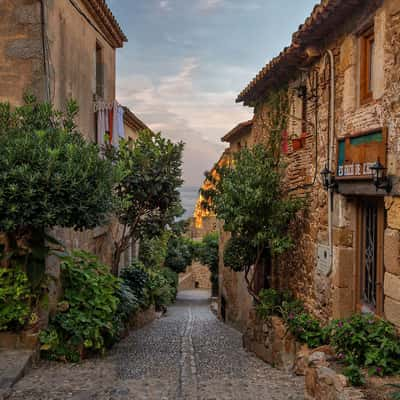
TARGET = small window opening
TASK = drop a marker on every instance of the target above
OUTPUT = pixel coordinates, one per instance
(99, 71)
(367, 72)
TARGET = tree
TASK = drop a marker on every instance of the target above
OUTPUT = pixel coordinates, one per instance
(50, 176)
(208, 254)
(179, 253)
(146, 195)
(249, 197)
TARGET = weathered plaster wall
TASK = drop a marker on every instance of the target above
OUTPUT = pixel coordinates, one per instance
(21, 61)
(72, 49)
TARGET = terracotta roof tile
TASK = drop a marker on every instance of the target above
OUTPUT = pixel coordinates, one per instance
(319, 23)
(107, 21)
(237, 130)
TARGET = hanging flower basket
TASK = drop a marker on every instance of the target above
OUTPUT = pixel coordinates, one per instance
(297, 144)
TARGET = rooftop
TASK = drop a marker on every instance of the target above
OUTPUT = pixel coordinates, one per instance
(106, 21)
(323, 20)
(238, 130)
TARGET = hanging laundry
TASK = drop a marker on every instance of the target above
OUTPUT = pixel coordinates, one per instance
(102, 126)
(120, 122)
(111, 125)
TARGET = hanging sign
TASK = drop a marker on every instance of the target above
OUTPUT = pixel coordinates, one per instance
(357, 153)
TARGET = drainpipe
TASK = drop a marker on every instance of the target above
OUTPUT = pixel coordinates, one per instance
(331, 150)
(44, 51)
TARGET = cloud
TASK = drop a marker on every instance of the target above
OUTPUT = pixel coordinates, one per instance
(178, 107)
(165, 5)
(206, 5)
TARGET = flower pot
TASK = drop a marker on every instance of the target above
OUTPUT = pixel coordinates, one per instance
(297, 144)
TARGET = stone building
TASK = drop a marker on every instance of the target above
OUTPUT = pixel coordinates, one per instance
(62, 50)
(341, 75)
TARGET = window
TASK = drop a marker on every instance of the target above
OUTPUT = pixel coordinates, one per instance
(370, 264)
(367, 44)
(99, 71)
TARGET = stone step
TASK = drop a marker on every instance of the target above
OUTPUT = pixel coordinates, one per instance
(13, 365)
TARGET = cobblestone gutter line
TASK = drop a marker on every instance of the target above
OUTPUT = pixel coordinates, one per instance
(188, 385)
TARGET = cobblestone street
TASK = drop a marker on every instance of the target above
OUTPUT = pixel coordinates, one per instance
(187, 354)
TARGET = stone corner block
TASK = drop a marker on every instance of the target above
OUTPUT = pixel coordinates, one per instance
(392, 311)
(392, 251)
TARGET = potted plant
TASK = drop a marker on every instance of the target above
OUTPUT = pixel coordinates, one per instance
(299, 141)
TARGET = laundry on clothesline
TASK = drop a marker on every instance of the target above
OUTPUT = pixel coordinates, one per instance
(110, 122)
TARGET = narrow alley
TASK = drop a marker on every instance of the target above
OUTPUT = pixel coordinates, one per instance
(187, 354)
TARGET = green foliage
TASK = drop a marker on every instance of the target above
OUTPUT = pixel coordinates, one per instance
(303, 326)
(354, 375)
(306, 329)
(146, 196)
(273, 302)
(86, 313)
(179, 253)
(137, 279)
(162, 287)
(250, 201)
(366, 341)
(361, 341)
(153, 251)
(248, 196)
(15, 298)
(239, 253)
(128, 306)
(50, 175)
(151, 286)
(208, 254)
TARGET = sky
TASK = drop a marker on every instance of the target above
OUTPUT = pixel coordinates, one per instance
(187, 60)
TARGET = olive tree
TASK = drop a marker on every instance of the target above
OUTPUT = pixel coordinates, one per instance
(248, 195)
(49, 176)
(146, 196)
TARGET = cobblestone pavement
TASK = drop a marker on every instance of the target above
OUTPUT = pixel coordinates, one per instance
(187, 354)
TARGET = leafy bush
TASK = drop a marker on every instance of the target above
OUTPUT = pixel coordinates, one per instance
(162, 287)
(271, 303)
(86, 313)
(208, 254)
(361, 341)
(49, 176)
(179, 253)
(366, 341)
(128, 303)
(304, 327)
(137, 279)
(15, 298)
(156, 286)
(128, 306)
(354, 375)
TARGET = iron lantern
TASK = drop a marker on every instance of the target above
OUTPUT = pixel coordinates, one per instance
(328, 179)
(381, 181)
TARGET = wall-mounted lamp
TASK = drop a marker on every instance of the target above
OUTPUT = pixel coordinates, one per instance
(328, 179)
(381, 181)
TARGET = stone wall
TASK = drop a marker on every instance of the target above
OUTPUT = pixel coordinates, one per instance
(21, 51)
(235, 302)
(335, 293)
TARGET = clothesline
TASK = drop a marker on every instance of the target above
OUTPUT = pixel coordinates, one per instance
(104, 105)
(110, 122)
